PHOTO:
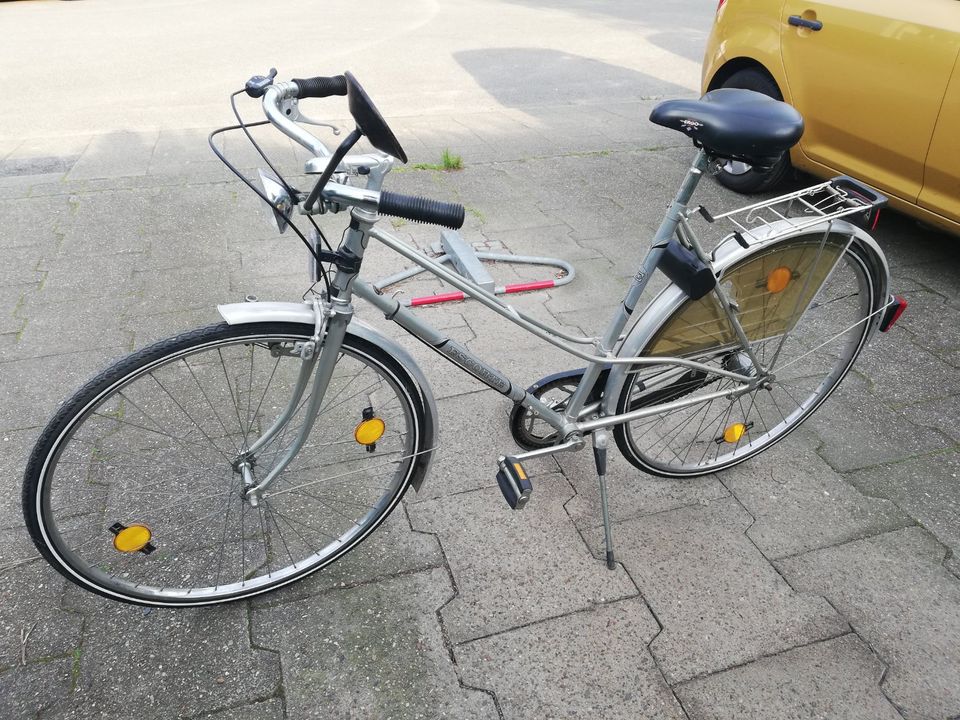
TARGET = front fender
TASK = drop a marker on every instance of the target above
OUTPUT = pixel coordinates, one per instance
(254, 312)
(726, 255)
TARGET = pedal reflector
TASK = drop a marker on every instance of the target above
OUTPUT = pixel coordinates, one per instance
(514, 483)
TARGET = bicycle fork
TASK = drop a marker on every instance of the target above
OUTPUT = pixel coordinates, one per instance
(318, 359)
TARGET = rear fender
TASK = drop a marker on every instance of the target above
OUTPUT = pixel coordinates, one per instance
(254, 312)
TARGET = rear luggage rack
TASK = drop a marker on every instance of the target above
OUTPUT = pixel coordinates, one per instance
(841, 197)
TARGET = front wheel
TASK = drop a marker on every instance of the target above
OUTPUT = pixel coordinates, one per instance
(134, 490)
(807, 305)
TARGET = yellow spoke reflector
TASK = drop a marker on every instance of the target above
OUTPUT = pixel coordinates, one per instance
(778, 279)
(369, 431)
(734, 432)
(132, 539)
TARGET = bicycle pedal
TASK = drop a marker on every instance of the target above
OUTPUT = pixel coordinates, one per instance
(514, 482)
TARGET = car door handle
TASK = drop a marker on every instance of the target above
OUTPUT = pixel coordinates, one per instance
(798, 21)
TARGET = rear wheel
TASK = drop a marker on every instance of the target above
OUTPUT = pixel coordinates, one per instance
(134, 490)
(808, 334)
(740, 176)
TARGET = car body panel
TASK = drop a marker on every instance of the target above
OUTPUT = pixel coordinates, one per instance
(869, 84)
(878, 88)
(941, 177)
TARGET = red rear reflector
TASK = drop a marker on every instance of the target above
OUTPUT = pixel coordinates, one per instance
(897, 306)
(720, 5)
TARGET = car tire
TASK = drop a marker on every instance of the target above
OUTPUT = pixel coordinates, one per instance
(739, 176)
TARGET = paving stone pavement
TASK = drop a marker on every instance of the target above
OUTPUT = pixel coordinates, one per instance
(819, 580)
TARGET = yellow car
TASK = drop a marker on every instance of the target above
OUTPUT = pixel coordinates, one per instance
(877, 83)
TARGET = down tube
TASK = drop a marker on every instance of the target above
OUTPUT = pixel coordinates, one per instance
(455, 352)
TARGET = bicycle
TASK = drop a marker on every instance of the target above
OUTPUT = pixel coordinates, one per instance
(239, 457)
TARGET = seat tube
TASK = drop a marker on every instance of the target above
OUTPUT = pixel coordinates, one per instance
(666, 231)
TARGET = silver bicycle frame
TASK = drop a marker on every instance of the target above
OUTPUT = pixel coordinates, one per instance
(577, 417)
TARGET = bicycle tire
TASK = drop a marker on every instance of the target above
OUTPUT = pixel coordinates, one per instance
(148, 430)
(828, 334)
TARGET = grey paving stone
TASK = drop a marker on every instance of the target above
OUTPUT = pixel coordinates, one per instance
(552, 241)
(907, 242)
(588, 664)
(540, 568)
(926, 488)
(916, 376)
(939, 276)
(939, 414)
(393, 549)
(168, 663)
(181, 152)
(372, 651)
(22, 267)
(38, 221)
(898, 597)
(266, 710)
(11, 297)
(149, 328)
(631, 492)
(110, 275)
(77, 324)
(27, 691)
(15, 447)
(800, 504)
(855, 430)
(105, 223)
(63, 146)
(837, 679)
(30, 598)
(594, 285)
(185, 288)
(473, 433)
(931, 321)
(31, 396)
(115, 154)
(719, 601)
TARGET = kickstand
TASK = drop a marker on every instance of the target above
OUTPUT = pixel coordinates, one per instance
(600, 441)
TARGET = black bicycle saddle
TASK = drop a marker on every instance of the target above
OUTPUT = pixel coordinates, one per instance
(735, 124)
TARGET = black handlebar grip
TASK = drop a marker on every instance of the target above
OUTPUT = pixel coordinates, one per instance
(421, 209)
(318, 87)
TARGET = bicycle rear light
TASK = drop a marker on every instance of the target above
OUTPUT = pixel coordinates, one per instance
(897, 306)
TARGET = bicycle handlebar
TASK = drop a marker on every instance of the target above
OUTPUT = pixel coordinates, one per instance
(320, 86)
(421, 209)
(409, 207)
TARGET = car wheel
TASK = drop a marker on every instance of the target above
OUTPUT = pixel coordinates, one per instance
(739, 176)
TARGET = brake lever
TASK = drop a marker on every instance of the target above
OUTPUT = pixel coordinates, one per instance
(290, 107)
